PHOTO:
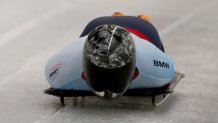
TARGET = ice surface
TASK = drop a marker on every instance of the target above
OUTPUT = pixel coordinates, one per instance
(32, 31)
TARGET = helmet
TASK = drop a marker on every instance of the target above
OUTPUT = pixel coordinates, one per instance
(109, 60)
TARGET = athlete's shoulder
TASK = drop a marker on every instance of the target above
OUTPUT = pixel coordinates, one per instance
(139, 42)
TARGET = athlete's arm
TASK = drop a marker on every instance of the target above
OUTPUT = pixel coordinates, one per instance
(63, 70)
(155, 67)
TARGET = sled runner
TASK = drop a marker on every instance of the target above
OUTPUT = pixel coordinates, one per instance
(139, 92)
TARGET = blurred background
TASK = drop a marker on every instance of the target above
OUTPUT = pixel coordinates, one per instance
(31, 31)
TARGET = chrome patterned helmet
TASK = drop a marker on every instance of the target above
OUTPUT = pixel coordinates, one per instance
(109, 60)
